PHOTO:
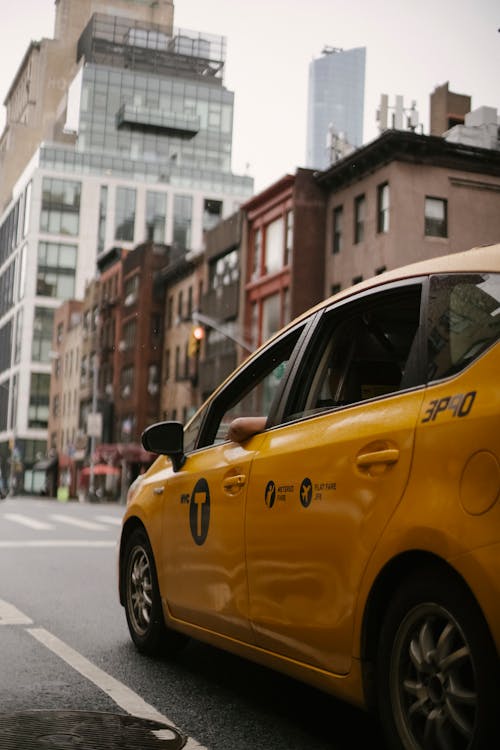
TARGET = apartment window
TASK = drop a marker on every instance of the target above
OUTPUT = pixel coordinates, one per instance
(129, 334)
(38, 409)
(357, 279)
(379, 270)
(383, 207)
(60, 206)
(56, 270)
(257, 254)
(436, 217)
(103, 211)
(271, 316)
(126, 381)
(224, 271)
(170, 311)
(42, 334)
(212, 213)
(167, 365)
(338, 217)
(125, 214)
(275, 246)
(359, 218)
(180, 304)
(289, 238)
(156, 216)
(335, 289)
(183, 216)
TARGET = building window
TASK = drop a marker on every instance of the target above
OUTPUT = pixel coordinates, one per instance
(126, 381)
(383, 208)
(38, 410)
(289, 238)
(212, 213)
(129, 334)
(257, 254)
(436, 217)
(156, 216)
(224, 271)
(103, 211)
(379, 270)
(125, 214)
(271, 316)
(167, 365)
(359, 218)
(275, 240)
(170, 311)
(183, 216)
(56, 270)
(335, 289)
(357, 279)
(338, 216)
(42, 334)
(60, 206)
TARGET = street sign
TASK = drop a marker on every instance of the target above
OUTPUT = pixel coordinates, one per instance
(94, 424)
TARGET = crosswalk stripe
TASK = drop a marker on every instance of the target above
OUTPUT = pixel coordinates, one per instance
(88, 525)
(32, 523)
(9, 615)
(115, 520)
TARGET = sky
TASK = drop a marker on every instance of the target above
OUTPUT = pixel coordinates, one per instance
(412, 47)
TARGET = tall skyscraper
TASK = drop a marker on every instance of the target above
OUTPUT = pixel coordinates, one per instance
(119, 130)
(335, 105)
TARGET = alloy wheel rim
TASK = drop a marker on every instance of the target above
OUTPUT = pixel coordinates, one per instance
(140, 590)
(433, 681)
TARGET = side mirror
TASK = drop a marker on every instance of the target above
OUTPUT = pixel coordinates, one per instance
(167, 439)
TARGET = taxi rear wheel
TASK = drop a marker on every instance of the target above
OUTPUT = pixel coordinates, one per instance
(437, 668)
(142, 600)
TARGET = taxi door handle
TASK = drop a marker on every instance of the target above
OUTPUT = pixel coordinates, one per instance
(231, 483)
(384, 456)
(158, 490)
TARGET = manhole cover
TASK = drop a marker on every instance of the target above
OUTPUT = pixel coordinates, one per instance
(81, 730)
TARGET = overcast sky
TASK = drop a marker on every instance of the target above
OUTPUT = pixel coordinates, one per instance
(412, 47)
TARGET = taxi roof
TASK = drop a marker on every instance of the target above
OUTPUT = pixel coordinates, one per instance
(478, 259)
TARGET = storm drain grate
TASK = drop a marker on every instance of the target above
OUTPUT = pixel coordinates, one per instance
(82, 730)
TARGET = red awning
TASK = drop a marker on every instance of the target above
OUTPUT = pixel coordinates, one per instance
(100, 470)
(131, 452)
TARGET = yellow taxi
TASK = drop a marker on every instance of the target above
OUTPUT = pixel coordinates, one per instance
(332, 511)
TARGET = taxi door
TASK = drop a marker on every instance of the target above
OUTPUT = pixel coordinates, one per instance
(324, 486)
(203, 576)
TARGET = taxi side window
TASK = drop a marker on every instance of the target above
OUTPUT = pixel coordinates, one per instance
(253, 391)
(463, 320)
(362, 351)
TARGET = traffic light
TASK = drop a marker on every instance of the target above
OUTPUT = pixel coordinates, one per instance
(196, 337)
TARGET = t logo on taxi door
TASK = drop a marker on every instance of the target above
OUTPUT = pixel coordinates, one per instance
(199, 511)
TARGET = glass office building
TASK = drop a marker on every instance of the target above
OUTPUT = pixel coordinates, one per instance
(141, 151)
(335, 106)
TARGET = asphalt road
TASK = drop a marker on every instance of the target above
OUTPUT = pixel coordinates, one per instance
(64, 645)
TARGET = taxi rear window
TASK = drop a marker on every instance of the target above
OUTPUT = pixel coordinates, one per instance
(463, 321)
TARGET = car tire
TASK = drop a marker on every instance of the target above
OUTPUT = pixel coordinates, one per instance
(437, 668)
(142, 600)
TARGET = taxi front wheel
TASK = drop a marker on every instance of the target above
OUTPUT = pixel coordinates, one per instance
(142, 600)
(437, 668)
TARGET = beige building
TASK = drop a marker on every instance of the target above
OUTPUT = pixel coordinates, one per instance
(406, 197)
(65, 440)
(185, 280)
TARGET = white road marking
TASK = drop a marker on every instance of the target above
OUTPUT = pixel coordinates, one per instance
(32, 523)
(115, 520)
(9, 615)
(88, 525)
(14, 544)
(117, 691)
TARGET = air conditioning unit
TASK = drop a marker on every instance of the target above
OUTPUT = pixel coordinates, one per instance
(122, 345)
(125, 391)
